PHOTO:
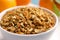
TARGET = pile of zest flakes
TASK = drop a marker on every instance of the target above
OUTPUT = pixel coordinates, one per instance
(27, 20)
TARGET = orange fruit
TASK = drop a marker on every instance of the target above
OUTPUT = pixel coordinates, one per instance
(47, 4)
(22, 2)
(4, 4)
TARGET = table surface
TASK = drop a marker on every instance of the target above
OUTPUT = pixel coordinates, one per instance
(55, 35)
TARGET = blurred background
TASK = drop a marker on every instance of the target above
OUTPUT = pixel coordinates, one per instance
(53, 5)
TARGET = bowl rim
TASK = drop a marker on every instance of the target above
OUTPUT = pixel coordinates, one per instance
(3, 12)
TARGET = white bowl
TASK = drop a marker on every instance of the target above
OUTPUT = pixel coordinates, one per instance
(23, 35)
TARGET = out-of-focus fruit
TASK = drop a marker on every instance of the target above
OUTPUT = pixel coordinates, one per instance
(22, 2)
(47, 4)
(4, 4)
